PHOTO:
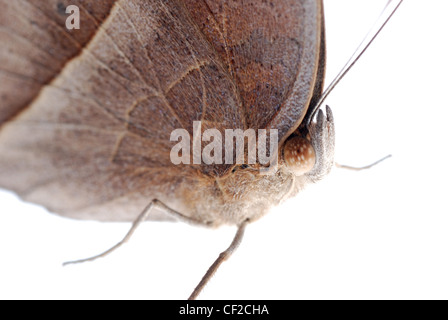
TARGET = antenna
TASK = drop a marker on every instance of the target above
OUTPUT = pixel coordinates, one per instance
(386, 14)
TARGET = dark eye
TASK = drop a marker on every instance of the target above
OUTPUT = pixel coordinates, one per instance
(299, 155)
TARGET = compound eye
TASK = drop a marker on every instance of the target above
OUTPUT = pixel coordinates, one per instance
(299, 155)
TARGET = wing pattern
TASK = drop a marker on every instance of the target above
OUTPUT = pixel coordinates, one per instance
(86, 117)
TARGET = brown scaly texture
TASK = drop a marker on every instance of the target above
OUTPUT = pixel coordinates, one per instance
(86, 115)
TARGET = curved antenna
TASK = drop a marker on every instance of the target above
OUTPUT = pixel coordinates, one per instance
(386, 14)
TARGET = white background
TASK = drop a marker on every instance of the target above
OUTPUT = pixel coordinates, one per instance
(377, 234)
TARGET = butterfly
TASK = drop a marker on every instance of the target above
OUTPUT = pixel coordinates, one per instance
(86, 115)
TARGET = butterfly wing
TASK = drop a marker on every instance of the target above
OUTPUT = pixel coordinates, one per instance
(36, 46)
(86, 119)
(275, 53)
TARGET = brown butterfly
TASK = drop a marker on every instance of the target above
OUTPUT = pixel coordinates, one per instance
(86, 115)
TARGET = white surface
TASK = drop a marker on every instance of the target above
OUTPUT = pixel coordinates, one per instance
(379, 234)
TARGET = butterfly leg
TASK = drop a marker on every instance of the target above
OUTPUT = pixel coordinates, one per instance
(223, 256)
(141, 217)
(343, 166)
(322, 139)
